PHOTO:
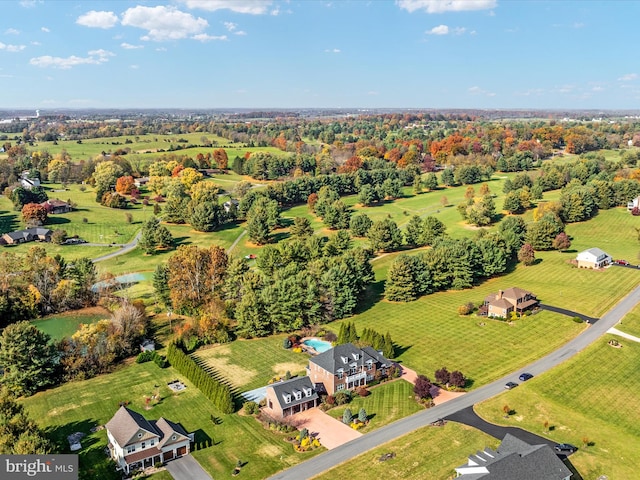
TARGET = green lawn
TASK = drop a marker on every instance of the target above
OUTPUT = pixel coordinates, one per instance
(387, 403)
(249, 364)
(427, 453)
(631, 323)
(594, 396)
(62, 325)
(79, 406)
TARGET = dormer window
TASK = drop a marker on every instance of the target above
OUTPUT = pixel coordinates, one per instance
(297, 394)
(287, 398)
(355, 356)
(307, 392)
(339, 374)
(369, 364)
(345, 359)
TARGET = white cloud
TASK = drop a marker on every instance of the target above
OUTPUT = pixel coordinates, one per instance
(204, 37)
(163, 23)
(440, 6)
(11, 31)
(253, 7)
(45, 29)
(128, 46)
(134, 67)
(439, 30)
(161, 49)
(233, 28)
(36, 43)
(597, 88)
(628, 77)
(94, 19)
(459, 30)
(332, 50)
(28, 3)
(11, 48)
(95, 57)
(578, 25)
(475, 90)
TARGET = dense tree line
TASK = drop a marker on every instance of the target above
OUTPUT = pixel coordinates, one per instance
(369, 338)
(218, 393)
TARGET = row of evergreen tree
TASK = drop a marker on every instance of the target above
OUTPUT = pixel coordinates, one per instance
(369, 338)
(218, 393)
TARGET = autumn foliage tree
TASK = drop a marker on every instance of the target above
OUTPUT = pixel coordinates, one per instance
(34, 214)
(526, 254)
(221, 158)
(422, 387)
(124, 184)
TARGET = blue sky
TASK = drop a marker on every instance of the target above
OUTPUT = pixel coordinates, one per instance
(336, 53)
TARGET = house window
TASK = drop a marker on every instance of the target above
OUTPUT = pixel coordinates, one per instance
(352, 371)
(369, 365)
(143, 445)
(287, 398)
(298, 395)
(340, 387)
(140, 435)
(152, 443)
(307, 392)
(131, 448)
(339, 375)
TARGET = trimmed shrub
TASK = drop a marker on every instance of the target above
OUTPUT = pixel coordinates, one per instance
(251, 408)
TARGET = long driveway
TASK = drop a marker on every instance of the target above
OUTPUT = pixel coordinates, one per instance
(124, 248)
(349, 450)
(187, 468)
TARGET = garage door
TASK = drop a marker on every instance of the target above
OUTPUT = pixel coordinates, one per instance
(182, 451)
(168, 455)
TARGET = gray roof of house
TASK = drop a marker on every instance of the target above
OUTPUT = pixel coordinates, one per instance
(342, 356)
(126, 423)
(289, 387)
(597, 252)
(167, 429)
(515, 459)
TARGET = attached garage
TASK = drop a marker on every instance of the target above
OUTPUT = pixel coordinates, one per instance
(182, 451)
(167, 455)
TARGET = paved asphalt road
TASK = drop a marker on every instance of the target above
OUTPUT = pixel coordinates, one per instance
(187, 468)
(330, 459)
(124, 248)
(569, 313)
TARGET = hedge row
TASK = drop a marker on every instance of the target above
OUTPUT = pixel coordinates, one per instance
(215, 391)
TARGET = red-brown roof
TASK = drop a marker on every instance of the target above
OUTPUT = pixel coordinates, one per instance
(141, 455)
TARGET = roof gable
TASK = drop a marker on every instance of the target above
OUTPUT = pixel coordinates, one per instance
(127, 426)
(345, 355)
(288, 389)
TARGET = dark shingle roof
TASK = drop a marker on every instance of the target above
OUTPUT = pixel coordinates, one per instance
(515, 459)
(289, 387)
(342, 356)
(168, 429)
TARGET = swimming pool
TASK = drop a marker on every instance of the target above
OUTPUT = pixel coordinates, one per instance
(317, 344)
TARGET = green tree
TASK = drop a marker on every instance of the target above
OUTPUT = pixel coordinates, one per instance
(175, 209)
(360, 224)
(541, 234)
(417, 185)
(19, 435)
(384, 235)
(432, 229)
(301, 227)
(161, 284)
(154, 235)
(388, 349)
(407, 279)
(448, 177)
(366, 195)
(362, 415)
(28, 358)
(206, 216)
(105, 176)
(414, 232)
(431, 182)
(347, 416)
(338, 243)
(512, 203)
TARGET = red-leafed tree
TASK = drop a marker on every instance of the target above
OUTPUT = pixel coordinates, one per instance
(311, 201)
(526, 254)
(422, 388)
(561, 242)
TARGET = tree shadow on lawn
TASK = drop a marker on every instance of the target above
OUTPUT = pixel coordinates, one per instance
(8, 221)
(58, 434)
(399, 350)
(201, 440)
(181, 241)
(372, 295)
(57, 221)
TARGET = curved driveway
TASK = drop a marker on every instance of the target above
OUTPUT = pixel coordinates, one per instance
(349, 450)
(124, 248)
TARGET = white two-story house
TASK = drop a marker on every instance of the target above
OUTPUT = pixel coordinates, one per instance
(135, 442)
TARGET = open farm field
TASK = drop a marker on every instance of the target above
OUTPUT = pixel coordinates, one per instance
(590, 401)
(430, 452)
(79, 406)
(631, 323)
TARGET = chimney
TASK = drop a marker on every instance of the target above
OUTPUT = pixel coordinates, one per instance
(500, 292)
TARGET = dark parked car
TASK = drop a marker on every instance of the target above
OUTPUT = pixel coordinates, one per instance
(565, 448)
(510, 385)
(525, 376)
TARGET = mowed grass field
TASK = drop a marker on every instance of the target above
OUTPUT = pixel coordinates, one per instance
(62, 325)
(427, 453)
(388, 402)
(631, 323)
(593, 397)
(79, 406)
(249, 364)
